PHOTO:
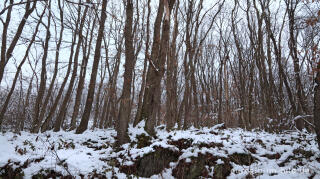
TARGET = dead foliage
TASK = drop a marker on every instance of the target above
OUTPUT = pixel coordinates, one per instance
(272, 156)
(242, 158)
(181, 143)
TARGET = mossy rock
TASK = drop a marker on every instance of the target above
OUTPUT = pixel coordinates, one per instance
(242, 159)
(143, 140)
(222, 170)
(197, 168)
(190, 170)
(152, 163)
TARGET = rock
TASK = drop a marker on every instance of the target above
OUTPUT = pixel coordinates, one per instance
(143, 141)
(152, 163)
(190, 170)
(198, 167)
(222, 170)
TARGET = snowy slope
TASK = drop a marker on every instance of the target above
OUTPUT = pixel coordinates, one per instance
(287, 155)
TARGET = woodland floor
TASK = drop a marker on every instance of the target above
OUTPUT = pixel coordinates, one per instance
(208, 152)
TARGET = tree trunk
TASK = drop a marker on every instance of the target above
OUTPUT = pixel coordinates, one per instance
(146, 58)
(154, 93)
(172, 65)
(4, 42)
(97, 55)
(149, 100)
(52, 111)
(42, 87)
(6, 55)
(6, 103)
(316, 110)
(124, 112)
(82, 76)
(63, 107)
(49, 93)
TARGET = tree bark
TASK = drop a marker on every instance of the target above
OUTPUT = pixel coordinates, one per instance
(82, 76)
(97, 55)
(146, 58)
(149, 102)
(160, 50)
(316, 110)
(172, 65)
(124, 112)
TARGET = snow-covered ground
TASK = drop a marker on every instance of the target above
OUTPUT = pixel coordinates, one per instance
(195, 153)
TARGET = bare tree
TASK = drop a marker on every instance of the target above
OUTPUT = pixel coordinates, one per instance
(63, 109)
(6, 103)
(42, 87)
(6, 54)
(87, 111)
(124, 112)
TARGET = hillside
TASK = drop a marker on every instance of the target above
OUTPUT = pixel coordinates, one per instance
(214, 152)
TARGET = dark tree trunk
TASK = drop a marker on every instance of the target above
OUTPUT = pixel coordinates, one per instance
(149, 101)
(82, 76)
(124, 112)
(316, 110)
(97, 55)
(172, 65)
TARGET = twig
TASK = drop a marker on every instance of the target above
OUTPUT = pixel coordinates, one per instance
(52, 148)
